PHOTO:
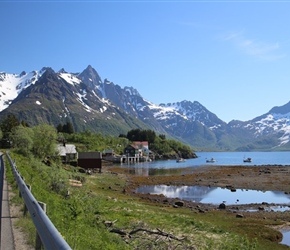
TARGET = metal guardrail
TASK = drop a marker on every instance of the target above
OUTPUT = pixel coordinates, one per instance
(1, 194)
(49, 235)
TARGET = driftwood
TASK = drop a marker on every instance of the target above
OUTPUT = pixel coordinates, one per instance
(118, 231)
(163, 238)
(109, 223)
(158, 236)
(157, 232)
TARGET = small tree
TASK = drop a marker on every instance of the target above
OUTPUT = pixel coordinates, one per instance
(22, 138)
(44, 141)
(68, 128)
(59, 128)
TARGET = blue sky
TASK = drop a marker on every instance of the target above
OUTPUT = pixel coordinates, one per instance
(231, 56)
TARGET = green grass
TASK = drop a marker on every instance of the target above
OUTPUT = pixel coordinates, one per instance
(80, 218)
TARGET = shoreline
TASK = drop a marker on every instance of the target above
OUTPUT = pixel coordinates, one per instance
(263, 178)
(258, 177)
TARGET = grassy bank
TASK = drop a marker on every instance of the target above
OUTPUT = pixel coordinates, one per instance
(100, 215)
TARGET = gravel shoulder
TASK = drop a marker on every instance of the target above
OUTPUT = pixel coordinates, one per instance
(20, 237)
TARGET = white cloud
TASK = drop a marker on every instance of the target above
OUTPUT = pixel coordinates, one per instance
(253, 47)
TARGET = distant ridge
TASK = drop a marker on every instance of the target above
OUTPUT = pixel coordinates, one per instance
(90, 103)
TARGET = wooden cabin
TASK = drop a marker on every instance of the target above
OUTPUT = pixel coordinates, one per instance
(90, 160)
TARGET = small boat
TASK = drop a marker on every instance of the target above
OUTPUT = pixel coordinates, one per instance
(248, 159)
(180, 160)
(211, 160)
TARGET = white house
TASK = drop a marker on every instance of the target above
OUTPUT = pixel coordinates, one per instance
(67, 152)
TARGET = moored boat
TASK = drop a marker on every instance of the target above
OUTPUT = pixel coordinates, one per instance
(180, 160)
(249, 159)
(211, 160)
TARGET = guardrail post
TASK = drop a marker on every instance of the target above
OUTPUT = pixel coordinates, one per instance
(25, 210)
(38, 243)
(19, 189)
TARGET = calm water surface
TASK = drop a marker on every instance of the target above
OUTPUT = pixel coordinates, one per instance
(286, 237)
(222, 159)
(216, 195)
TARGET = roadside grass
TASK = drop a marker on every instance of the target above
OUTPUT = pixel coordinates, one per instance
(99, 215)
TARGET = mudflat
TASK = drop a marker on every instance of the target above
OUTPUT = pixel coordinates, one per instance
(264, 178)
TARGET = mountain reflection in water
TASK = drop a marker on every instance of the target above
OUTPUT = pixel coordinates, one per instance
(216, 195)
(286, 237)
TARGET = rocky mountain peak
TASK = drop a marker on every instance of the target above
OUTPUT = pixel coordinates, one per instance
(43, 70)
(90, 77)
(132, 91)
(23, 73)
(48, 73)
(281, 110)
(62, 70)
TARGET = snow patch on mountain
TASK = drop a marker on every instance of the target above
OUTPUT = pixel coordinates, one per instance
(103, 109)
(131, 91)
(140, 107)
(215, 127)
(272, 123)
(12, 84)
(102, 90)
(81, 98)
(66, 111)
(163, 112)
(284, 139)
(70, 78)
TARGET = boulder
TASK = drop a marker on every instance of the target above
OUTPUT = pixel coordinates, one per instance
(222, 206)
(179, 203)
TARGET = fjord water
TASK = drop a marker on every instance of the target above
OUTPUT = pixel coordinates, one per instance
(222, 159)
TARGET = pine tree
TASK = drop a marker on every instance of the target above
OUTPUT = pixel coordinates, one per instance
(8, 124)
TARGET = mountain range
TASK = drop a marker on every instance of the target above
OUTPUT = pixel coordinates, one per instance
(90, 103)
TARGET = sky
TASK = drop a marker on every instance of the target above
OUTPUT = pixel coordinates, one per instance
(233, 57)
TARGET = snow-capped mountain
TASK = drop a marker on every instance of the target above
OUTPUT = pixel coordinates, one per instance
(191, 111)
(58, 97)
(274, 123)
(101, 106)
(12, 84)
